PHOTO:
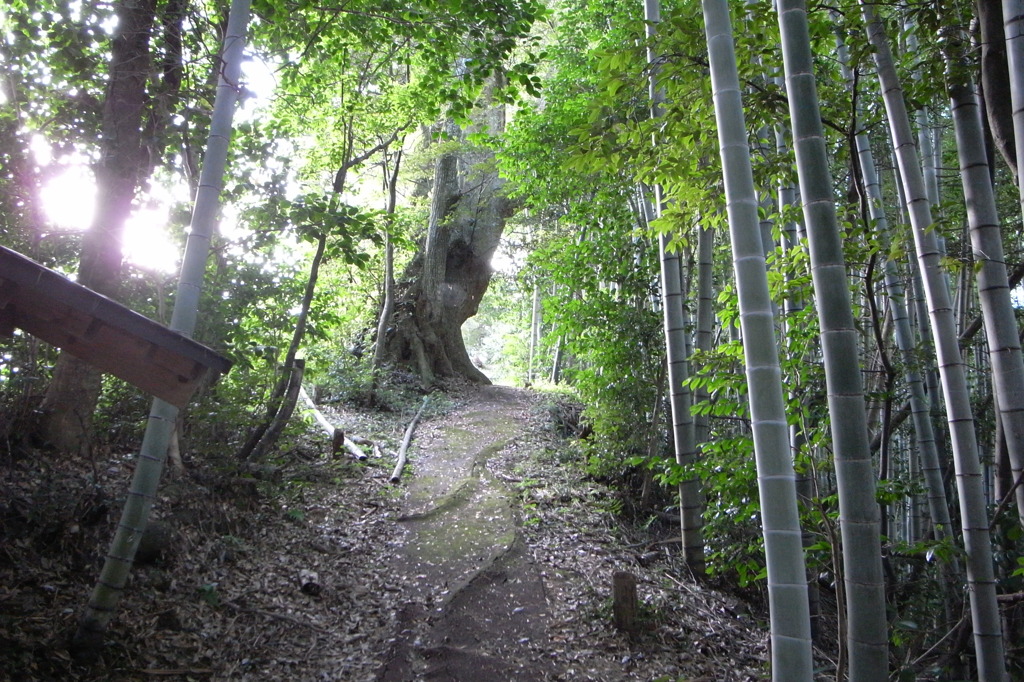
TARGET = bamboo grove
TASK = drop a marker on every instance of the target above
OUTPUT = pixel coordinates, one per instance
(775, 250)
(872, 221)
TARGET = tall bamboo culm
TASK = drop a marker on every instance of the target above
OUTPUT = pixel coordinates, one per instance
(859, 519)
(153, 451)
(691, 501)
(988, 641)
(787, 585)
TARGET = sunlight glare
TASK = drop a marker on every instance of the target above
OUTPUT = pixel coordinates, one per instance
(69, 201)
(260, 82)
(259, 76)
(41, 150)
(69, 198)
(505, 262)
(109, 25)
(146, 243)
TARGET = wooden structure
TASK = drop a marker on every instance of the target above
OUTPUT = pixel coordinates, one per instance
(102, 332)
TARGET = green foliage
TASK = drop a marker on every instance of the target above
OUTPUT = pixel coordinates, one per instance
(616, 341)
(356, 82)
(346, 378)
(732, 514)
(121, 413)
(495, 336)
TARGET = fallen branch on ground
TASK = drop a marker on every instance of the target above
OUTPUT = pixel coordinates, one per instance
(338, 437)
(396, 475)
(277, 616)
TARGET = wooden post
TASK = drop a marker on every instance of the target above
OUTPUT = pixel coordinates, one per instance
(624, 601)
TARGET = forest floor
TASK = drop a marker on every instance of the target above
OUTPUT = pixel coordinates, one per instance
(491, 560)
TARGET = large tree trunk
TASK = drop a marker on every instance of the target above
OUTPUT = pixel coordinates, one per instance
(75, 387)
(445, 282)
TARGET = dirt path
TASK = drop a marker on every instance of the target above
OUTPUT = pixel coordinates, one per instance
(491, 561)
(476, 607)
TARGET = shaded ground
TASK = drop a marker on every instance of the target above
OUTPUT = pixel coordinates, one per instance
(491, 561)
(478, 608)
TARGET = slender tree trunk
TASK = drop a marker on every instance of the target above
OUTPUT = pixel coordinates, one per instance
(262, 438)
(924, 434)
(792, 306)
(867, 637)
(284, 412)
(995, 79)
(705, 319)
(974, 519)
(388, 305)
(1013, 32)
(691, 500)
(556, 362)
(74, 389)
(153, 451)
(655, 438)
(387, 308)
(787, 581)
(919, 308)
(534, 333)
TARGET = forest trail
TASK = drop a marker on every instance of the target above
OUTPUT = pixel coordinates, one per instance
(477, 605)
(492, 560)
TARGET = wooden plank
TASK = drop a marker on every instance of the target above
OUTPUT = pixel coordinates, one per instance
(7, 321)
(33, 279)
(101, 331)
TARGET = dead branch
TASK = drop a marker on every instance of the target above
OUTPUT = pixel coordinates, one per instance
(354, 449)
(338, 437)
(317, 414)
(396, 475)
(278, 616)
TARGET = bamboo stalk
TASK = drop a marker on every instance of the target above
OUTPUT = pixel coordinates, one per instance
(317, 414)
(102, 606)
(350, 443)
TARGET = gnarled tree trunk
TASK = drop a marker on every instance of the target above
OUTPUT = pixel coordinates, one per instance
(445, 282)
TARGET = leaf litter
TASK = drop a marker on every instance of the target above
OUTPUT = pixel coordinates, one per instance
(297, 571)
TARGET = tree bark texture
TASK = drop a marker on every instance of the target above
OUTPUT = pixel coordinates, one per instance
(445, 282)
(75, 387)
